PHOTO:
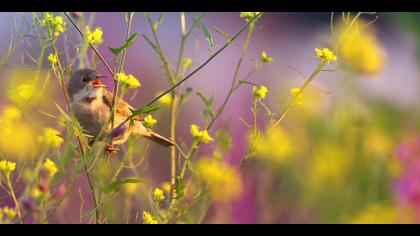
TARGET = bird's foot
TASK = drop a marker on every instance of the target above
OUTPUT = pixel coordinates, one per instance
(110, 148)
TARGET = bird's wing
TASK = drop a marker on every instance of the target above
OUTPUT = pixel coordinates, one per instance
(123, 108)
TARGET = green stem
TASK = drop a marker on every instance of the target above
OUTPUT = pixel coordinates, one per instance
(296, 97)
(12, 194)
(205, 63)
(235, 77)
(63, 86)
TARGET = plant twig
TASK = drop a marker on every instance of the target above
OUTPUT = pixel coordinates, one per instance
(63, 86)
(90, 44)
(205, 63)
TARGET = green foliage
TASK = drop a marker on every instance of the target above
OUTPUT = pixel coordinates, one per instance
(124, 46)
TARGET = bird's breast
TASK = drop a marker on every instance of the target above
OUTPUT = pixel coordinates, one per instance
(90, 110)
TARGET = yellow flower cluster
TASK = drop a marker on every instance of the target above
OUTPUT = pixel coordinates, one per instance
(325, 54)
(51, 138)
(274, 147)
(223, 182)
(7, 167)
(265, 58)
(148, 218)
(17, 136)
(166, 186)
(297, 93)
(330, 164)
(200, 136)
(8, 212)
(50, 167)
(248, 15)
(94, 37)
(56, 23)
(23, 93)
(376, 214)
(149, 121)
(158, 195)
(259, 93)
(361, 51)
(36, 193)
(128, 81)
(52, 58)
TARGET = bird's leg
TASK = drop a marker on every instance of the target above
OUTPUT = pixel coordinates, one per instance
(110, 148)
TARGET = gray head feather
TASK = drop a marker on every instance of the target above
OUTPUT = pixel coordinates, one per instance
(79, 80)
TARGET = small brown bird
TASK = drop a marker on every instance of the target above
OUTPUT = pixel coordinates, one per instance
(91, 103)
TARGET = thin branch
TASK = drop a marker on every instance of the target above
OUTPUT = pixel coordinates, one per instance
(90, 44)
(205, 63)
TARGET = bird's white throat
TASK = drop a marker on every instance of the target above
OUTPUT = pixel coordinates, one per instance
(93, 94)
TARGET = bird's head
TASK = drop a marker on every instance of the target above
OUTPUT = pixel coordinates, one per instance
(84, 79)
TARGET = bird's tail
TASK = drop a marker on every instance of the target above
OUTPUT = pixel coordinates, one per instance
(159, 139)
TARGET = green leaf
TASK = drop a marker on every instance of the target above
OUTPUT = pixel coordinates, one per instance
(208, 104)
(207, 33)
(145, 109)
(116, 185)
(185, 94)
(92, 211)
(65, 115)
(127, 43)
(140, 111)
(224, 34)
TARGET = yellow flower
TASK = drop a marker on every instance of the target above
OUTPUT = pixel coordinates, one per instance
(259, 93)
(249, 15)
(94, 37)
(149, 121)
(23, 94)
(325, 54)
(166, 186)
(158, 195)
(329, 167)
(16, 144)
(52, 58)
(297, 93)
(165, 99)
(361, 51)
(148, 218)
(130, 188)
(7, 167)
(128, 81)
(51, 137)
(9, 213)
(200, 136)
(50, 167)
(11, 114)
(56, 23)
(267, 146)
(377, 214)
(186, 63)
(224, 182)
(36, 193)
(265, 58)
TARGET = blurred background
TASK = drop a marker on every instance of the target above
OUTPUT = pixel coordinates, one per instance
(350, 153)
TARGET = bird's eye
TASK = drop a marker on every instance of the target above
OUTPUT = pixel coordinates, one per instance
(85, 79)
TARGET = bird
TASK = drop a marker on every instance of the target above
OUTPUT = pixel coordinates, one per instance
(91, 103)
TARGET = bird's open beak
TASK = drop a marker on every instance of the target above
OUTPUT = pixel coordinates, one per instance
(97, 82)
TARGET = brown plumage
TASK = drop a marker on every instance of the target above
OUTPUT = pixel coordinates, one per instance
(92, 102)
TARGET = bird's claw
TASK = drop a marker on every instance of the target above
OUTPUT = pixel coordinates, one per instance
(110, 148)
